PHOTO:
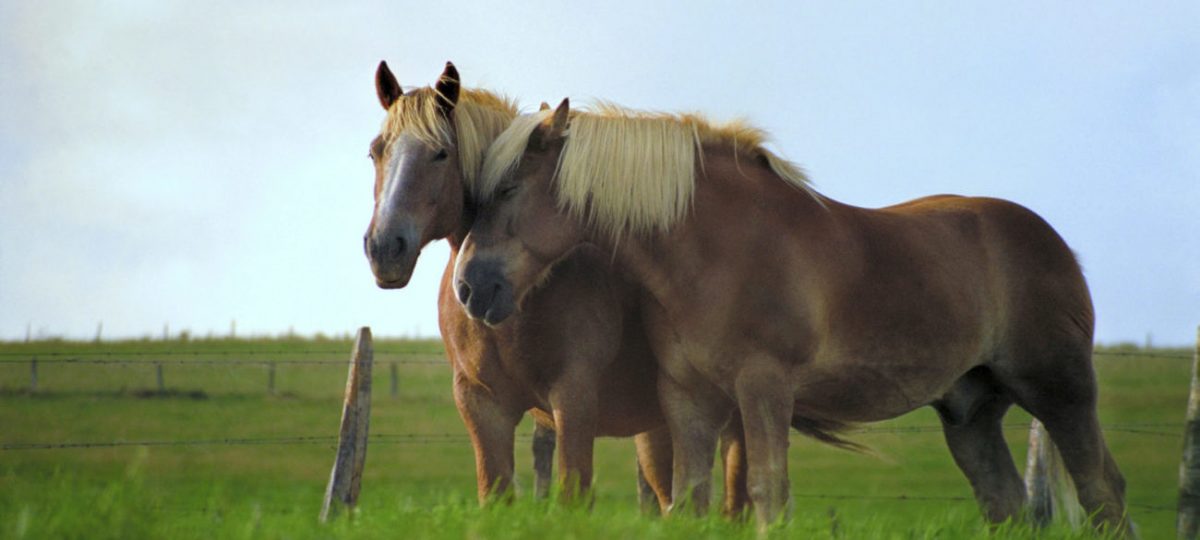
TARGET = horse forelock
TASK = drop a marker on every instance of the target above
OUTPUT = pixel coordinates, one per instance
(479, 117)
(631, 172)
(503, 156)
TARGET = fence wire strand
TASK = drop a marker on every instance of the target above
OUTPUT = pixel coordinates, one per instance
(455, 438)
(112, 357)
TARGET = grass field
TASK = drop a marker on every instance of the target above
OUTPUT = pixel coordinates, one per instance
(255, 465)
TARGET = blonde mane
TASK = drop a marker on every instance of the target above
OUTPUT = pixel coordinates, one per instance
(479, 117)
(629, 172)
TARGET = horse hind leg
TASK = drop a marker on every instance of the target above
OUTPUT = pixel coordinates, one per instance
(1062, 394)
(971, 415)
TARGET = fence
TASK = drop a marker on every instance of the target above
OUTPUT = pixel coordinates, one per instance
(268, 360)
(273, 361)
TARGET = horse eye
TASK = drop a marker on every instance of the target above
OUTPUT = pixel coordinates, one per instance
(440, 155)
(505, 191)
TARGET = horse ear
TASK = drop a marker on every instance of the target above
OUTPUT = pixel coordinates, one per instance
(386, 86)
(447, 88)
(558, 123)
(545, 107)
(544, 134)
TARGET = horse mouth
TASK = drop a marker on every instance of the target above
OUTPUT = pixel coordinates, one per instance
(392, 283)
(497, 314)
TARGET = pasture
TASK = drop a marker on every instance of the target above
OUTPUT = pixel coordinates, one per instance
(216, 455)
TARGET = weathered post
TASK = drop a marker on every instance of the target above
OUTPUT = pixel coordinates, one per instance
(33, 375)
(543, 460)
(1047, 484)
(271, 378)
(158, 375)
(346, 477)
(1039, 475)
(1188, 520)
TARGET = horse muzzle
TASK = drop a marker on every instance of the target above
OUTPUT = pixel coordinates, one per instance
(484, 292)
(392, 259)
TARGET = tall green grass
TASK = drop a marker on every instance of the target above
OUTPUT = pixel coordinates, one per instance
(423, 488)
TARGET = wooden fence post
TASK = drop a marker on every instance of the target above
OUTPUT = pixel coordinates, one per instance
(1188, 520)
(271, 378)
(1039, 475)
(346, 477)
(33, 375)
(158, 376)
(543, 460)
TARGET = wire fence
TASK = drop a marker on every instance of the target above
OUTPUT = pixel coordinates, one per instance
(237, 356)
(270, 358)
(1155, 429)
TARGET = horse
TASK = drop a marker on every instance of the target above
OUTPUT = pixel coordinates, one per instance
(577, 358)
(767, 300)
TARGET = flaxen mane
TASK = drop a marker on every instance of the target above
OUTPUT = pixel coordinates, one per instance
(629, 172)
(479, 117)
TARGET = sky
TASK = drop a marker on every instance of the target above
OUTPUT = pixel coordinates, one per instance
(202, 166)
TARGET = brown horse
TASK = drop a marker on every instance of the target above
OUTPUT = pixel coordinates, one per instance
(576, 357)
(767, 298)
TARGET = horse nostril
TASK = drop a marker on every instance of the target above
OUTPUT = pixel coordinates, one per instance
(464, 291)
(399, 247)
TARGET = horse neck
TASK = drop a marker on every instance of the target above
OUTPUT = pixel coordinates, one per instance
(465, 220)
(741, 210)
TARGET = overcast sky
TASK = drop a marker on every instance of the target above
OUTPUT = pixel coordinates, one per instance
(195, 163)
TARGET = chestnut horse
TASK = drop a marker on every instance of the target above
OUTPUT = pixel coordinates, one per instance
(576, 357)
(769, 299)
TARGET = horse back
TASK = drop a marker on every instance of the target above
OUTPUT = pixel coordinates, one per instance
(1032, 280)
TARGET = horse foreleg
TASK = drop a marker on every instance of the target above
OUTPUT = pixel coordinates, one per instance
(575, 423)
(765, 400)
(491, 424)
(694, 425)
(654, 470)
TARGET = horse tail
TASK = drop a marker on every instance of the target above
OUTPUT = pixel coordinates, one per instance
(825, 431)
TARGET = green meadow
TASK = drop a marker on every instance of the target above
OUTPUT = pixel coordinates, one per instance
(98, 451)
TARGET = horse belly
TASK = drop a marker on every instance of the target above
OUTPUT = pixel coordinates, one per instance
(870, 391)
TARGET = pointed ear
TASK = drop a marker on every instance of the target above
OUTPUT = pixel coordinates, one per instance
(558, 123)
(545, 107)
(544, 134)
(447, 88)
(386, 86)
